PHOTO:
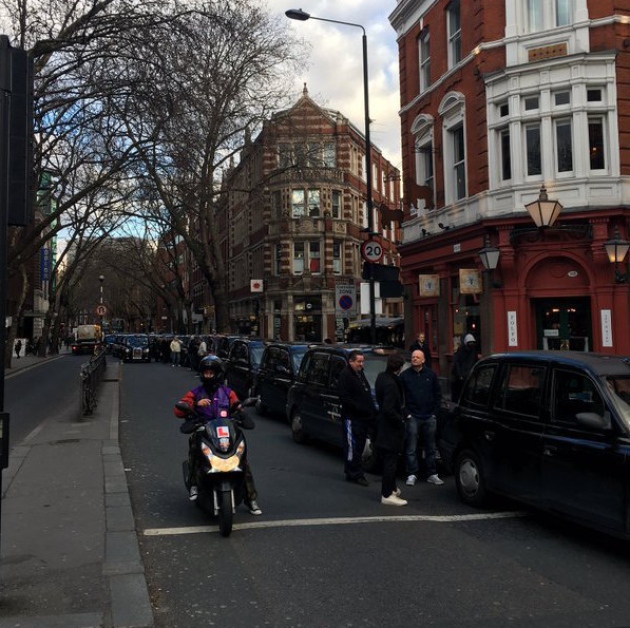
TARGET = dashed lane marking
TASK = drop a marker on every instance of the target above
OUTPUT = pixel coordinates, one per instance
(335, 521)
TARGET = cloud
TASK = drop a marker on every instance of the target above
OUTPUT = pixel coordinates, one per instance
(334, 76)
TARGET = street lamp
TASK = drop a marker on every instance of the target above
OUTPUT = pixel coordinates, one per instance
(617, 249)
(544, 211)
(302, 16)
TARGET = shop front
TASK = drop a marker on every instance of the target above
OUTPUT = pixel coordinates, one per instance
(555, 288)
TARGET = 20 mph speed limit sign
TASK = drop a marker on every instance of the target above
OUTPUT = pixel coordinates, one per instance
(371, 251)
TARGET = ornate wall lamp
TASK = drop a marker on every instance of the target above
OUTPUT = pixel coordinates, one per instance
(489, 256)
(617, 249)
(544, 212)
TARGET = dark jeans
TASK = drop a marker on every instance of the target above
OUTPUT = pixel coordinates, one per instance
(389, 460)
(425, 429)
(355, 434)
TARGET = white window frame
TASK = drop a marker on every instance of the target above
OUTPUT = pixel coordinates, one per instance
(454, 29)
(337, 257)
(336, 197)
(452, 111)
(424, 59)
(543, 15)
(422, 131)
(296, 212)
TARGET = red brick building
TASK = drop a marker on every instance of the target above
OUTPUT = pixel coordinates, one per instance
(500, 98)
(295, 221)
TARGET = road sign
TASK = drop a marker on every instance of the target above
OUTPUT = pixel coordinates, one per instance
(101, 310)
(345, 300)
(371, 251)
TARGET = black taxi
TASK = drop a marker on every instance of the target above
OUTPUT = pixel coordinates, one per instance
(313, 405)
(548, 428)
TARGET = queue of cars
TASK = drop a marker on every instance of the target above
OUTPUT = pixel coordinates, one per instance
(550, 429)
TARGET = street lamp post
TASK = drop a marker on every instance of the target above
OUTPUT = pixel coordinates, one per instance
(302, 16)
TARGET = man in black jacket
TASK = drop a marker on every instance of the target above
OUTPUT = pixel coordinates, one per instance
(358, 416)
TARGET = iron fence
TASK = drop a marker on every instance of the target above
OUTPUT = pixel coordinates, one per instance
(91, 377)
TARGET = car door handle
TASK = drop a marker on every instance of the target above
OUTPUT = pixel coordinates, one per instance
(550, 450)
(489, 436)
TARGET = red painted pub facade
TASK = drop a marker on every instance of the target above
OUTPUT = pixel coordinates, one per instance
(509, 106)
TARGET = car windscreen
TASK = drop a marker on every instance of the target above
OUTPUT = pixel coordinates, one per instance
(620, 392)
(256, 354)
(137, 341)
(296, 358)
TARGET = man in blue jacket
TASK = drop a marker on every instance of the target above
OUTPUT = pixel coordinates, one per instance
(423, 397)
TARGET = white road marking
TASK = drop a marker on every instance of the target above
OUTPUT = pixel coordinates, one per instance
(334, 521)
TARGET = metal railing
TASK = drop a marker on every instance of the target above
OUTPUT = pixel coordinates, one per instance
(91, 376)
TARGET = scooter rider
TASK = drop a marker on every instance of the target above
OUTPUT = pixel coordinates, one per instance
(206, 400)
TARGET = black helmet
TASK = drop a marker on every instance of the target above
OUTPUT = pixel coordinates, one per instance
(214, 364)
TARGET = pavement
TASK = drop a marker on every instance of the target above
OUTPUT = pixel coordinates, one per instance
(70, 556)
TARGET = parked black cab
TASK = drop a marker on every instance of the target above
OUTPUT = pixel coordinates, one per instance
(277, 372)
(548, 428)
(136, 348)
(242, 364)
(313, 405)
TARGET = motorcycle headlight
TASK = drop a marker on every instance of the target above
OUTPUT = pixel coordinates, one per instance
(206, 451)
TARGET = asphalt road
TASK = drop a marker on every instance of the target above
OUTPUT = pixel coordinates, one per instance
(327, 553)
(49, 389)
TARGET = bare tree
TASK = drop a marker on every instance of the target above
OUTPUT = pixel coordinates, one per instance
(223, 76)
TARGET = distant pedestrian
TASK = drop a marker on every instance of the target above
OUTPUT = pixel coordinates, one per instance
(358, 416)
(390, 436)
(463, 361)
(176, 351)
(421, 344)
(18, 347)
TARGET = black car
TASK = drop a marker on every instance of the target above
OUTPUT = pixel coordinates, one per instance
(221, 345)
(242, 364)
(276, 374)
(313, 405)
(136, 348)
(548, 428)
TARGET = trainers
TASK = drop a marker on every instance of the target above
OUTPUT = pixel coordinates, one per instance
(393, 500)
(435, 479)
(194, 493)
(411, 480)
(396, 492)
(254, 508)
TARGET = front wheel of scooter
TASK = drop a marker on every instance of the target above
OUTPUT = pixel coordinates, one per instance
(225, 513)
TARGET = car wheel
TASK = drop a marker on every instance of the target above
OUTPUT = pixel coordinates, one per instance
(299, 436)
(470, 479)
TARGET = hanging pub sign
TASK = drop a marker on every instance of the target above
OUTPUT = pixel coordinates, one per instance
(429, 285)
(469, 281)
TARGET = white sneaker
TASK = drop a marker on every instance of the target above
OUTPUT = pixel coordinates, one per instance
(435, 479)
(411, 480)
(194, 493)
(393, 500)
(396, 492)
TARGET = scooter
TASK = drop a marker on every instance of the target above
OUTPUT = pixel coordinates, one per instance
(220, 451)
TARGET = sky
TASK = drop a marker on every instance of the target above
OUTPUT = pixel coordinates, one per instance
(334, 76)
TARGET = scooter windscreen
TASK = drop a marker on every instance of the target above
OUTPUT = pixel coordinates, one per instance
(221, 433)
